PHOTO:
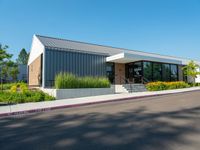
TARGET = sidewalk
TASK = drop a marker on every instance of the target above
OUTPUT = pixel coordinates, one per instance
(74, 102)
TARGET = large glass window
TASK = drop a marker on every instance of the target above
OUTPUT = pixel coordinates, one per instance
(110, 72)
(129, 72)
(137, 72)
(151, 71)
(157, 69)
(174, 73)
(166, 72)
(147, 69)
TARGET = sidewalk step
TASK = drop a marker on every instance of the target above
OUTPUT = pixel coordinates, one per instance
(135, 87)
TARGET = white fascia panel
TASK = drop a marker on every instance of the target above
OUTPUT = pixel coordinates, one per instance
(151, 58)
(37, 48)
(130, 57)
(115, 57)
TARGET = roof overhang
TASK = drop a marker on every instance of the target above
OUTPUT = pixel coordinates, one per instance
(126, 57)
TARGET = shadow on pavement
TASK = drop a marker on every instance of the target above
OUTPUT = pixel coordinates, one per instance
(133, 129)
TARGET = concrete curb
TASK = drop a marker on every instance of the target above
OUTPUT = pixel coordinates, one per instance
(39, 110)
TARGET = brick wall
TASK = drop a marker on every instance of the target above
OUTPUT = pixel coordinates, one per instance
(34, 74)
(119, 73)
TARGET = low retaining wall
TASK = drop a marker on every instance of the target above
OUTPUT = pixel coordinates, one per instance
(75, 93)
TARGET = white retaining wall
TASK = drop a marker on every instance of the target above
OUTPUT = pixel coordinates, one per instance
(120, 89)
(197, 80)
(76, 93)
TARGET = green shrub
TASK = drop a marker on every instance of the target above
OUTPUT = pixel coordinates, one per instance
(7, 86)
(194, 84)
(159, 86)
(23, 88)
(22, 97)
(13, 89)
(68, 80)
(19, 87)
(47, 97)
(19, 93)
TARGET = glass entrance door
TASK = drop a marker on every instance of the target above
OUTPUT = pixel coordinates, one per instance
(134, 72)
(137, 72)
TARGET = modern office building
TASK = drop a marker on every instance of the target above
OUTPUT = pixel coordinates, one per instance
(49, 56)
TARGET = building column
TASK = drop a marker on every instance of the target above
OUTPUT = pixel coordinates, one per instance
(119, 73)
(34, 72)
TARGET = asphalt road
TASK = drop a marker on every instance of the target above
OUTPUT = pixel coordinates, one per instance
(169, 122)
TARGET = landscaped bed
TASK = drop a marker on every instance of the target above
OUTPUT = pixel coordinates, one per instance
(19, 93)
(68, 85)
(6, 86)
(159, 86)
(71, 81)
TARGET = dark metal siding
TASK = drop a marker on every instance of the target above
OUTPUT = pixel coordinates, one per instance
(81, 64)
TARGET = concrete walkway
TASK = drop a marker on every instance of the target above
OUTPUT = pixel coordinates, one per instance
(50, 105)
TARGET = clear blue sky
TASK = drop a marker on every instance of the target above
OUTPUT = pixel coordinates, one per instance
(169, 27)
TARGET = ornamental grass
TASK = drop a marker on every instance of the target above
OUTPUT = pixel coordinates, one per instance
(70, 81)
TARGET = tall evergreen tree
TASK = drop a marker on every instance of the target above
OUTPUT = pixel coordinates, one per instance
(23, 57)
(14, 71)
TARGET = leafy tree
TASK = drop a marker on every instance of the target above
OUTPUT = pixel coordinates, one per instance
(10, 69)
(23, 57)
(192, 70)
(3, 54)
(4, 61)
(5, 69)
(4, 58)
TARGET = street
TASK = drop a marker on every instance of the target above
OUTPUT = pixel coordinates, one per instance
(170, 122)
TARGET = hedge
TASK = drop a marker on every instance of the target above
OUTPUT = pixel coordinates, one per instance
(159, 86)
(68, 80)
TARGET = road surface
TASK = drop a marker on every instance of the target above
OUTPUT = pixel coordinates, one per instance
(170, 122)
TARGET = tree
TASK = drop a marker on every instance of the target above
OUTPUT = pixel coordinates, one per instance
(192, 70)
(10, 69)
(14, 71)
(23, 57)
(4, 61)
(3, 54)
